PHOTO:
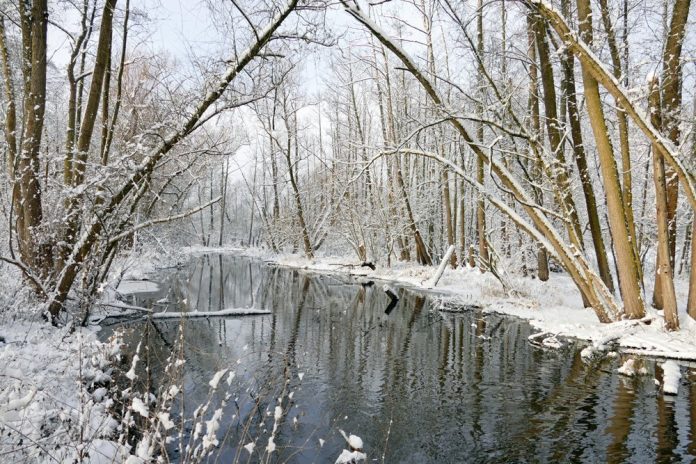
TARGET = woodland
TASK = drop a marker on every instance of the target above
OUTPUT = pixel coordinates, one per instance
(543, 134)
(531, 138)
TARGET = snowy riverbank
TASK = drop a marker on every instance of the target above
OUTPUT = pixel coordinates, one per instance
(554, 307)
(54, 395)
(55, 391)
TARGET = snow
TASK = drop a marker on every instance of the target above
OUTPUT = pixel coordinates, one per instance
(216, 378)
(212, 426)
(130, 287)
(628, 368)
(165, 420)
(221, 313)
(53, 392)
(350, 457)
(271, 447)
(19, 403)
(141, 408)
(671, 377)
(354, 441)
(131, 373)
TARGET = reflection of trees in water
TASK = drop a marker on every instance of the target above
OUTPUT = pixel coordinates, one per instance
(620, 424)
(667, 439)
(460, 388)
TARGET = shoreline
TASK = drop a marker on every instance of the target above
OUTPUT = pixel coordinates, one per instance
(553, 307)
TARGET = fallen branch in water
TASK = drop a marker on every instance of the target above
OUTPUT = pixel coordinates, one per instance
(369, 264)
(678, 355)
(221, 313)
(125, 306)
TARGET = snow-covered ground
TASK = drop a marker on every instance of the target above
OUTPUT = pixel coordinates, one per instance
(54, 395)
(54, 390)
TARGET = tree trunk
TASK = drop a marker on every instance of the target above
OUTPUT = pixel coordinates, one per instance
(568, 85)
(553, 130)
(663, 296)
(448, 216)
(10, 126)
(34, 253)
(671, 107)
(629, 275)
(480, 177)
(541, 254)
(627, 189)
(97, 88)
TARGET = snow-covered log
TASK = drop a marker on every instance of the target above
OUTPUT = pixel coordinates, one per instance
(671, 378)
(443, 264)
(221, 313)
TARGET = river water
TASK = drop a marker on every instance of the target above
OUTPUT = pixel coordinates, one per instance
(417, 385)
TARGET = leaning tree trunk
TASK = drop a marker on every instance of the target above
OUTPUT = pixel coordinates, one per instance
(568, 85)
(553, 130)
(622, 122)
(627, 264)
(83, 143)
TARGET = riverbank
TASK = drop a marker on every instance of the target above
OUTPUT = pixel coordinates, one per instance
(553, 307)
(55, 395)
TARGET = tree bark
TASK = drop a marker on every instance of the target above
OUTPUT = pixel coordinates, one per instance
(10, 128)
(629, 275)
(34, 253)
(663, 296)
(541, 253)
(568, 85)
(480, 206)
(671, 107)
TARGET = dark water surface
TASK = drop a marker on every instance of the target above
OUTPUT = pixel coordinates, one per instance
(417, 385)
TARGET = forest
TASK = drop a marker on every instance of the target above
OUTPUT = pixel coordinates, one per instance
(536, 147)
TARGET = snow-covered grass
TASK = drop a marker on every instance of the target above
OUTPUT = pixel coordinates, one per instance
(58, 398)
(55, 403)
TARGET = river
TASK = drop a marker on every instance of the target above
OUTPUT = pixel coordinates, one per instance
(417, 385)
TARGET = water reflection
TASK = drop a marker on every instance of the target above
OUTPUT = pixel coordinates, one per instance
(417, 386)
